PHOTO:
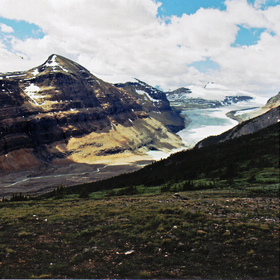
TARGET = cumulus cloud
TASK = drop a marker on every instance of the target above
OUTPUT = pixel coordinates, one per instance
(5, 28)
(260, 3)
(118, 40)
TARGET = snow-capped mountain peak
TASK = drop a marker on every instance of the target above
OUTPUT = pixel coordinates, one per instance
(211, 96)
(212, 85)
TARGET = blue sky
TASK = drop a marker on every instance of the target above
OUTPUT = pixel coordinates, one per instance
(248, 36)
(231, 42)
(205, 66)
(178, 7)
(23, 29)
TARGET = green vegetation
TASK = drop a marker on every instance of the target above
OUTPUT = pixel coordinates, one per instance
(216, 233)
(205, 213)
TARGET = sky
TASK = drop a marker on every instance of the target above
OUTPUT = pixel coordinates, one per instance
(166, 43)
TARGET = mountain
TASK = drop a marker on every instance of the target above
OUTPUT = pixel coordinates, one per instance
(210, 96)
(155, 103)
(273, 101)
(246, 127)
(59, 112)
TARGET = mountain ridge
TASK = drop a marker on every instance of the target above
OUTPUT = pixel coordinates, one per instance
(155, 102)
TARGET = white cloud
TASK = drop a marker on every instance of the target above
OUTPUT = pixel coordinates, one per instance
(118, 40)
(259, 3)
(5, 28)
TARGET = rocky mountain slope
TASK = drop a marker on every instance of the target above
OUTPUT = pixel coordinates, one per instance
(59, 112)
(246, 127)
(155, 103)
(211, 96)
(242, 115)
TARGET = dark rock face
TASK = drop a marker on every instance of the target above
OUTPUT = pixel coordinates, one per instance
(246, 127)
(181, 90)
(58, 100)
(155, 103)
(229, 100)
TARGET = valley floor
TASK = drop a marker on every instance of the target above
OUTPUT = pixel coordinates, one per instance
(46, 178)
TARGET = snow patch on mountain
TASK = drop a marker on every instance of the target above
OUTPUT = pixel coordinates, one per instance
(56, 66)
(53, 62)
(147, 96)
(35, 72)
(32, 91)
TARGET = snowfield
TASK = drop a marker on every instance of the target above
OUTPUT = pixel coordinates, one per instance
(218, 92)
(32, 91)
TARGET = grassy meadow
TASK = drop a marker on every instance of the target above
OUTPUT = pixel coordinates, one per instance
(230, 233)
